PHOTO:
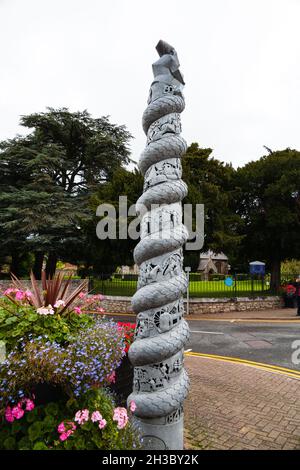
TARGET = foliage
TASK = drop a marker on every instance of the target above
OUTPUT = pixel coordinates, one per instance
(47, 179)
(129, 332)
(290, 266)
(86, 361)
(288, 290)
(47, 309)
(58, 426)
(210, 183)
(268, 200)
(104, 256)
(51, 291)
(23, 322)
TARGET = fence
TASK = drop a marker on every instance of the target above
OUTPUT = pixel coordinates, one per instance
(243, 285)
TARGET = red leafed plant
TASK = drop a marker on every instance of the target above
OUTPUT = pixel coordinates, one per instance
(129, 330)
(48, 292)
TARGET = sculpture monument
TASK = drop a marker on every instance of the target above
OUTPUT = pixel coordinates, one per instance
(160, 380)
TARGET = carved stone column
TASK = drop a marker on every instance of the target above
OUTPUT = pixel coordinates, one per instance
(160, 381)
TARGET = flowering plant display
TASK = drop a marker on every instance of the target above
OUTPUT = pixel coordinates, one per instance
(90, 423)
(53, 296)
(85, 362)
(49, 292)
(129, 333)
(61, 361)
(24, 311)
(289, 290)
(24, 322)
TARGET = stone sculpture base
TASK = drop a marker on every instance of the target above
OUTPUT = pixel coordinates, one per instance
(158, 437)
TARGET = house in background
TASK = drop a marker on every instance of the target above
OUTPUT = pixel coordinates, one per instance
(212, 263)
(128, 269)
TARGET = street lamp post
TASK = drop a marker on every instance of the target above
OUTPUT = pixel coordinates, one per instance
(188, 270)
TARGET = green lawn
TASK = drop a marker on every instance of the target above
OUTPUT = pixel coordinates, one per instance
(120, 287)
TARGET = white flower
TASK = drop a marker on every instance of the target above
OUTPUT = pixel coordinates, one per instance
(50, 309)
(59, 303)
(45, 310)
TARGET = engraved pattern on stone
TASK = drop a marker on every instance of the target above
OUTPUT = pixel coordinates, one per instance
(160, 381)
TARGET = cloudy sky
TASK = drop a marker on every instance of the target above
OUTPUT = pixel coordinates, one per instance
(240, 60)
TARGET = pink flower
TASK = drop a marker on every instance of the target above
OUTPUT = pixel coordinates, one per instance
(102, 423)
(120, 415)
(82, 416)
(8, 415)
(100, 310)
(66, 429)
(9, 291)
(59, 303)
(29, 404)
(77, 310)
(64, 436)
(82, 295)
(20, 295)
(96, 416)
(132, 406)
(28, 294)
(112, 377)
(98, 297)
(61, 427)
(73, 425)
(17, 412)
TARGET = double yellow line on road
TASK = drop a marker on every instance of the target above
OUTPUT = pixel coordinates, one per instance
(258, 365)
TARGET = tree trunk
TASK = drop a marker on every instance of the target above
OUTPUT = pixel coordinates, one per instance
(275, 275)
(38, 264)
(51, 264)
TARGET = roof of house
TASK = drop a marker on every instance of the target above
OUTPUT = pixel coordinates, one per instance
(214, 256)
(204, 263)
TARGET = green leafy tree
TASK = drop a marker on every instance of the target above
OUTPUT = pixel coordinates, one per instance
(106, 255)
(210, 183)
(47, 179)
(267, 198)
(290, 266)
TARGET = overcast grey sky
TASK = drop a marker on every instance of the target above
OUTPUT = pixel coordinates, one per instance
(240, 60)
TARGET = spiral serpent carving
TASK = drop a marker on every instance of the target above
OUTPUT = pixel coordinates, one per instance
(160, 381)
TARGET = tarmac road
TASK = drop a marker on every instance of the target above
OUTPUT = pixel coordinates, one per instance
(267, 342)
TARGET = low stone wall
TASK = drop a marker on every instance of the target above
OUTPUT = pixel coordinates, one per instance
(203, 305)
(4, 284)
(196, 306)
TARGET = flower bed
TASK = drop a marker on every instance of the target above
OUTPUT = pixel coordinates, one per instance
(289, 295)
(54, 383)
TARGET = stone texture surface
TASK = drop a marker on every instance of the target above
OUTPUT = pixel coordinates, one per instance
(160, 382)
(202, 306)
(233, 406)
(4, 284)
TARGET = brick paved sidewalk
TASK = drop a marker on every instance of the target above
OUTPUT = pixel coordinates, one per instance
(233, 406)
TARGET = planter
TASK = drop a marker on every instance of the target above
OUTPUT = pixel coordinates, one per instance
(46, 393)
(290, 301)
(124, 381)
